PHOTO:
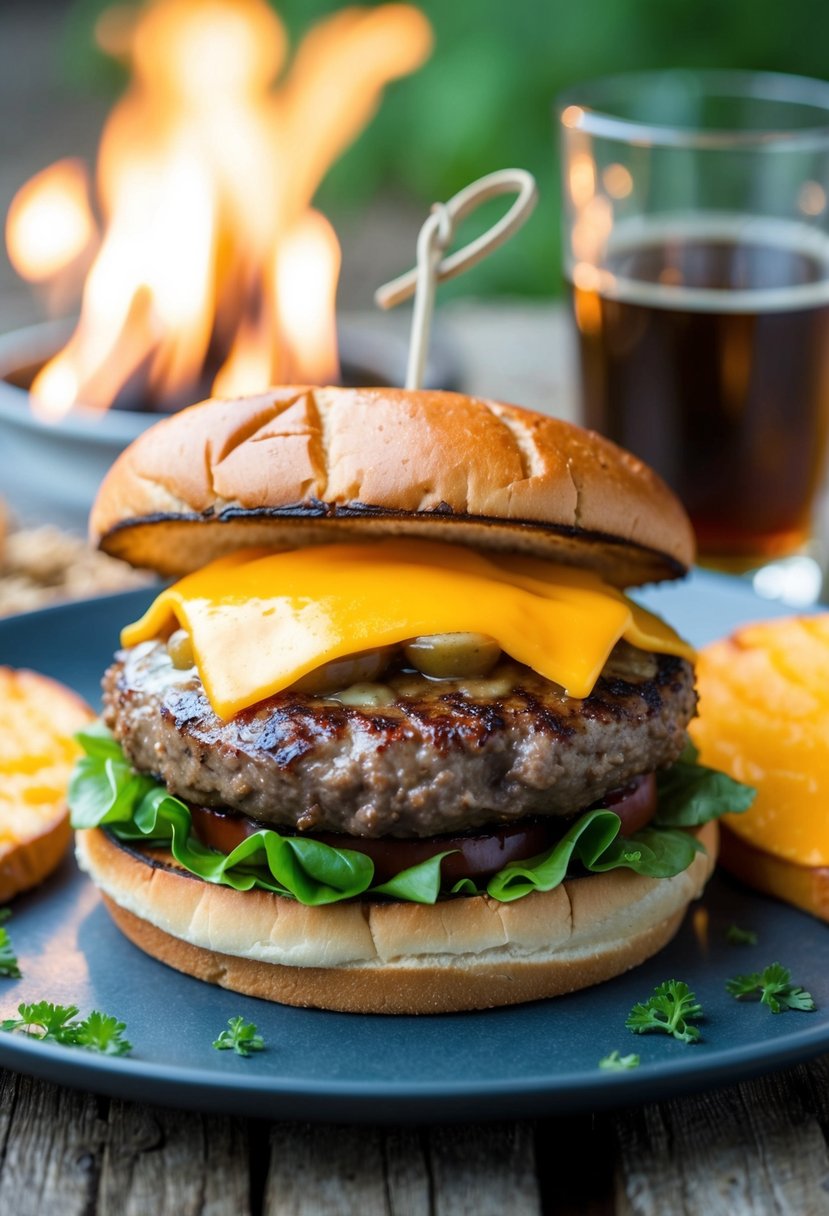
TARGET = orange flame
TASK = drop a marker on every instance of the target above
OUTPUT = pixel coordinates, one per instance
(211, 261)
(50, 224)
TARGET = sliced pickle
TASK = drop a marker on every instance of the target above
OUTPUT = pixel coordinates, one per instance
(180, 649)
(453, 656)
(363, 668)
(630, 664)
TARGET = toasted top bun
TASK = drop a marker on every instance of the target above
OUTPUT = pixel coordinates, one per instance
(298, 466)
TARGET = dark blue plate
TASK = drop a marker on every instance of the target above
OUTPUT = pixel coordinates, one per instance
(507, 1062)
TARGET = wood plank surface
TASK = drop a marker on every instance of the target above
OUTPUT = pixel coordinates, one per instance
(52, 1145)
(407, 1172)
(477, 1170)
(320, 1170)
(484, 1170)
(758, 1148)
(172, 1163)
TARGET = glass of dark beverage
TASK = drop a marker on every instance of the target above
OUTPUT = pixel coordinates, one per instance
(696, 245)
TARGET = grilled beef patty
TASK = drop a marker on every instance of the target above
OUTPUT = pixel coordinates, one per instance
(440, 756)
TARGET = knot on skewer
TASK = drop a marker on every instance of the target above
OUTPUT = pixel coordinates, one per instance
(436, 236)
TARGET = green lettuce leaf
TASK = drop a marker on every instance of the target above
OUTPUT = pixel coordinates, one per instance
(104, 791)
(586, 841)
(690, 794)
(419, 884)
(594, 842)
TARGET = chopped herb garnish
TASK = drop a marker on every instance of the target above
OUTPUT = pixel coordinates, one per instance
(618, 1063)
(101, 1032)
(736, 936)
(774, 987)
(9, 966)
(41, 1019)
(60, 1024)
(670, 1010)
(241, 1037)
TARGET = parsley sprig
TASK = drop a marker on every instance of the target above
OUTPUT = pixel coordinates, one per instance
(735, 936)
(241, 1036)
(61, 1024)
(670, 1010)
(615, 1062)
(9, 966)
(774, 987)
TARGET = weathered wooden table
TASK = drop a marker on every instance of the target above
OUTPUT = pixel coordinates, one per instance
(758, 1148)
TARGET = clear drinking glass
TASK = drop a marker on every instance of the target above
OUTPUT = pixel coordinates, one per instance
(696, 247)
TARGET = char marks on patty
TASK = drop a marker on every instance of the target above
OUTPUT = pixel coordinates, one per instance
(442, 756)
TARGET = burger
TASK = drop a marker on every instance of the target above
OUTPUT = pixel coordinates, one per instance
(395, 740)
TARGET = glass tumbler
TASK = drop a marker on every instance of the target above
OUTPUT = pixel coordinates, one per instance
(696, 249)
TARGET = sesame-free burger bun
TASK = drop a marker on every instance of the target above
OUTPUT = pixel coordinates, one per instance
(297, 466)
(365, 956)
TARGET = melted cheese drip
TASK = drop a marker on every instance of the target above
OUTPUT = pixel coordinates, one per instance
(260, 620)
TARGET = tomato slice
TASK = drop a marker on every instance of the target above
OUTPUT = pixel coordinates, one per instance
(635, 804)
(473, 855)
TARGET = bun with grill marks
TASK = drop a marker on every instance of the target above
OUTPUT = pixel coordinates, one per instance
(298, 466)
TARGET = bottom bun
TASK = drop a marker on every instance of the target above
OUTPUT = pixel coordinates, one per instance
(806, 887)
(364, 956)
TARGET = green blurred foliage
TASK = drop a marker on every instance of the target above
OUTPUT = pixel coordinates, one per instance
(484, 101)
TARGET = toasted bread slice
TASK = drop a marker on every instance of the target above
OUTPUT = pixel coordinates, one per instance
(38, 718)
(805, 887)
(764, 718)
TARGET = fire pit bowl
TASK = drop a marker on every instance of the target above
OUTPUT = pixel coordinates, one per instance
(49, 472)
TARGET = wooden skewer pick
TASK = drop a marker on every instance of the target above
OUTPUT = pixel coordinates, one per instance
(434, 239)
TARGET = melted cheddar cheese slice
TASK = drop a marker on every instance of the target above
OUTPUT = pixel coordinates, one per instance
(260, 620)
